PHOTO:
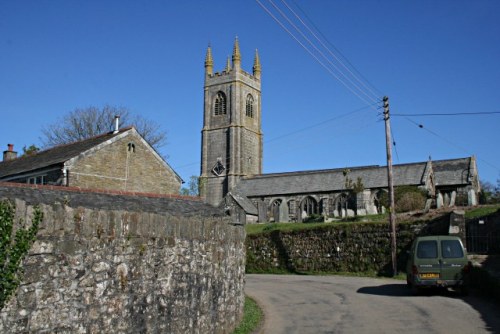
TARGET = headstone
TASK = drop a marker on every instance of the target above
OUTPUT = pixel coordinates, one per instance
(439, 200)
(453, 198)
(262, 208)
(283, 213)
(446, 200)
(472, 197)
(428, 204)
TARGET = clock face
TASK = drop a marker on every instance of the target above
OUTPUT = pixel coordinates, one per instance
(218, 168)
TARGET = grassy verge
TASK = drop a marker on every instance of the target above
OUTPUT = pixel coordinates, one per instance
(481, 211)
(252, 317)
(382, 218)
(287, 227)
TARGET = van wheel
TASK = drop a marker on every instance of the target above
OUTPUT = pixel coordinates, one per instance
(463, 290)
(415, 290)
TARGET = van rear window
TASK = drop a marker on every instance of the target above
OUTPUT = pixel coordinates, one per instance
(451, 249)
(427, 249)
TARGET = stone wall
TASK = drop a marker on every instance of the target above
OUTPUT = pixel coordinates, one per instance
(109, 263)
(351, 247)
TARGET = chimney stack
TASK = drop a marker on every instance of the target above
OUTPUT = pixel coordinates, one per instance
(117, 124)
(10, 154)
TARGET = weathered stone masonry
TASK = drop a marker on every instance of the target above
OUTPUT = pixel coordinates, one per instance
(125, 264)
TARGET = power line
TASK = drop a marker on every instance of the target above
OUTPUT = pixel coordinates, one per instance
(290, 133)
(311, 53)
(421, 126)
(335, 48)
(318, 124)
(451, 114)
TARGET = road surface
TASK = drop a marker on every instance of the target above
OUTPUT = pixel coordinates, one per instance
(338, 304)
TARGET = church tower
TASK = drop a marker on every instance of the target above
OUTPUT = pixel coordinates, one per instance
(231, 134)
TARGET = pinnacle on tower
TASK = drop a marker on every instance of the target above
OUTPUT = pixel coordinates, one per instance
(209, 62)
(228, 65)
(256, 65)
(236, 54)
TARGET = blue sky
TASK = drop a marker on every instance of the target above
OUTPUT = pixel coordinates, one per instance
(427, 56)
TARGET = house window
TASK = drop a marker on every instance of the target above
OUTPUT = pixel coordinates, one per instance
(37, 180)
(249, 106)
(220, 104)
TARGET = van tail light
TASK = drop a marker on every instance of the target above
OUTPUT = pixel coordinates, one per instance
(467, 268)
(414, 270)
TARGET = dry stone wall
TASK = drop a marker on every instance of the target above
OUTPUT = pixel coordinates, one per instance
(126, 264)
(351, 247)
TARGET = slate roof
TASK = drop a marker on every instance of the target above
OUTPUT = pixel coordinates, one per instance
(244, 202)
(53, 156)
(333, 179)
(57, 155)
(451, 172)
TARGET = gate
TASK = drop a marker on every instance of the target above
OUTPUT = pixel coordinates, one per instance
(483, 236)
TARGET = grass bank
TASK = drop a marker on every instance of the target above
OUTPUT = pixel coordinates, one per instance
(252, 317)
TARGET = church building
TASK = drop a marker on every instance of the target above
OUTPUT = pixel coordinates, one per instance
(231, 163)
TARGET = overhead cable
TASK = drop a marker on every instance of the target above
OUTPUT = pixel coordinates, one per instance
(450, 114)
(311, 53)
(341, 62)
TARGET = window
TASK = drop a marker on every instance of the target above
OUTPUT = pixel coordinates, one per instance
(451, 249)
(220, 104)
(427, 249)
(309, 206)
(131, 147)
(291, 207)
(37, 180)
(249, 106)
(218, 168)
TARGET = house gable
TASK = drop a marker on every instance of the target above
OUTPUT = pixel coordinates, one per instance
(124, 162)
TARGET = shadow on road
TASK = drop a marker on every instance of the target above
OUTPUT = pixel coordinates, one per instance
(487, 308)
(401, 290)
(394, 290)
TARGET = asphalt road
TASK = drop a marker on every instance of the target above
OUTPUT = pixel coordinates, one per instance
(337, 304)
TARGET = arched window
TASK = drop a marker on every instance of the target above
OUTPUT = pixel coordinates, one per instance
(309, 206)
(275, 210)
(249, 106)
(220, 104)
(131, 147)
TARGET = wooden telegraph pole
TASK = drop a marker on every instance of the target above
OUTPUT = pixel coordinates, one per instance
(392, 210)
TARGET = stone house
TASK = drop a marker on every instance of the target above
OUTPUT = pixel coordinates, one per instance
(119, 160)
(231, 163)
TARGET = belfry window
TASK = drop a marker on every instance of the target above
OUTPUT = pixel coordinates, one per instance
(220, 104)
(249, 106)
(131, 147)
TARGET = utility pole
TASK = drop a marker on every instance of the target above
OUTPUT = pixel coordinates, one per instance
(392, 209)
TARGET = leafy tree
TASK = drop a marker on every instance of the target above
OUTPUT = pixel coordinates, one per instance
(31, 150)
(13, 248)
(83, 123)
(193, 187)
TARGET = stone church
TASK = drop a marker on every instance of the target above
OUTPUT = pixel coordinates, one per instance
(231, 163)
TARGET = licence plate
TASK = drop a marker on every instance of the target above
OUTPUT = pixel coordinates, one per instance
(429, 275)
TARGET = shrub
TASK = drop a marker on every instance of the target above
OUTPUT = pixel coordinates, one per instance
(314, 218)
(406, 198)
(13, 248)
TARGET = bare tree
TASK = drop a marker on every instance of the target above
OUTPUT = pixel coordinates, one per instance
(83, 123)
(193, 187)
